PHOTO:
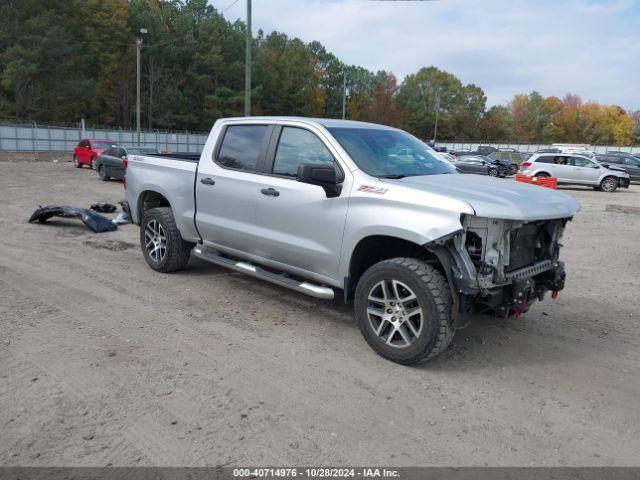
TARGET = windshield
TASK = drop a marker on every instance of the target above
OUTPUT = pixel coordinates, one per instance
(389, 153)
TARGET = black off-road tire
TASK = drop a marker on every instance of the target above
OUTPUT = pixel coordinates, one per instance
(609, 184)
(433, 295)
(102, 173)
(514, 168)
(76, 162)
(178, 250)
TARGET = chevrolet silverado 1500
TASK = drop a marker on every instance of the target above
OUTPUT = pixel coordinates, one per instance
(321, 206)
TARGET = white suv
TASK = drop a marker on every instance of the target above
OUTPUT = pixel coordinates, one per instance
(573, 169)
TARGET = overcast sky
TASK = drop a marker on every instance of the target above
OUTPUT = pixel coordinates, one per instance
(587, 47)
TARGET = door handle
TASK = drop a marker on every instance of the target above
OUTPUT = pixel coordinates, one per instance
(271, 192)
(208, 181)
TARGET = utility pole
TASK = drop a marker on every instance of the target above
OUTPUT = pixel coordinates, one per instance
(344, 94)
(435, 127)
(138, 46)
(247, 64)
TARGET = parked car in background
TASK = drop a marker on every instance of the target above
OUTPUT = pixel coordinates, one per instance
(481, 165)
(508, 155)
(625, 161)
(485, 150)
(576, 170)
(88, 150)
(109, 163)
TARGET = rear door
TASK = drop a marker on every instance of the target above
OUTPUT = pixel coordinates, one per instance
(82, 151)
(228, 187)
(300, 227)
(562, 169)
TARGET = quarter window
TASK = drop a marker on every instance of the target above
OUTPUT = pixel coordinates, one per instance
(241, 146)
(297, 147)
(546, 159)
(632, 162)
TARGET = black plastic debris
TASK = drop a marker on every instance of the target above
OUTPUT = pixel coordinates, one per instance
(91, 219)
(104, 207)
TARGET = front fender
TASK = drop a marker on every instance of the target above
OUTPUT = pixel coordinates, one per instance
(414, 223)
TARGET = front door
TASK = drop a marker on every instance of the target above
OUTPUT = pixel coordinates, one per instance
(227, 189)
(632, 166)
(585, 171)
(300, 226)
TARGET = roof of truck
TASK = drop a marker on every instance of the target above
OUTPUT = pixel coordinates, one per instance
(325, 122)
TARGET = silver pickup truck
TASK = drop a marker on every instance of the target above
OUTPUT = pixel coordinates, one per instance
(321, 206)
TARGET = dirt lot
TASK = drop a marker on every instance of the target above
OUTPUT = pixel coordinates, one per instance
(105, 362)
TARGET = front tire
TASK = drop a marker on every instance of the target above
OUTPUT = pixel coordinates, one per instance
(609, 184)
(514, 168)
(403, 309)
(493, 172)
(76, 162)
(162, 245)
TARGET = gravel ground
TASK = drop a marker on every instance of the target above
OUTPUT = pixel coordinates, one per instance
(105, 362)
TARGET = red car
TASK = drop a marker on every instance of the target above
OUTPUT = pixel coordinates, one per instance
(88, 150)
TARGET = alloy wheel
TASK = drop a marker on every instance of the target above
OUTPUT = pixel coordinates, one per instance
(608, 184)
(155, 241)
(394, 313)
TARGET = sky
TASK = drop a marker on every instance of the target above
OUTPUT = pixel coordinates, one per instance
(587, 47)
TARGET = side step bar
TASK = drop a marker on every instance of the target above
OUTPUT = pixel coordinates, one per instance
(281, 279)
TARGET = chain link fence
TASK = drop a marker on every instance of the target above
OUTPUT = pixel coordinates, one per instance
(47, 138)
(530, 147)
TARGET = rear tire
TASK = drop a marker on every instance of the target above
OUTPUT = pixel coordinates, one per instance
(514, 168)
(162, 245)
(414, 305)
(102, 173)
(609, 184)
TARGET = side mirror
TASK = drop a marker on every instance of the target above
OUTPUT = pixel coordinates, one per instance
(324, 176)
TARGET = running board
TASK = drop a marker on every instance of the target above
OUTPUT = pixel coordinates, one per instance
(281, 279)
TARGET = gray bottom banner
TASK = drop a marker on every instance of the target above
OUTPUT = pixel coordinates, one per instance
(282, 473)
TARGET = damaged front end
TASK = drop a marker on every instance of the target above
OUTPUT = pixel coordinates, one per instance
(500, 266)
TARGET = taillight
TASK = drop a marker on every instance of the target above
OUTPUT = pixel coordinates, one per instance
(525, 164)
(125, 163)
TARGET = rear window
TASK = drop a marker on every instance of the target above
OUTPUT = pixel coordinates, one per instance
(545, 159)
(241, 146)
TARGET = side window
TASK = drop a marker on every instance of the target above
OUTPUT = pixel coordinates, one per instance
(296, 147)
(120, 152)
(241, 146)
(546, 159)
(109, 152)
(582, 162)
(559, 160)
(505, 156)
(83, 143)
(631, 162)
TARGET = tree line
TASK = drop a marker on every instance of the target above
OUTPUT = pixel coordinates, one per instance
(62, 60)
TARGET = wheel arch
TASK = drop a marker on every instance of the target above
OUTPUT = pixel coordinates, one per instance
(149, 199)
(372, 249)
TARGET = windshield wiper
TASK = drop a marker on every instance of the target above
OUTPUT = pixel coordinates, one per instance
(393, 176)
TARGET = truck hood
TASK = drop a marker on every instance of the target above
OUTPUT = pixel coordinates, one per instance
(497, 198)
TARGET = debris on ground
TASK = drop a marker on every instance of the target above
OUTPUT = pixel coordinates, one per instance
(104, 207)
(91, 219)
(121, 219)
